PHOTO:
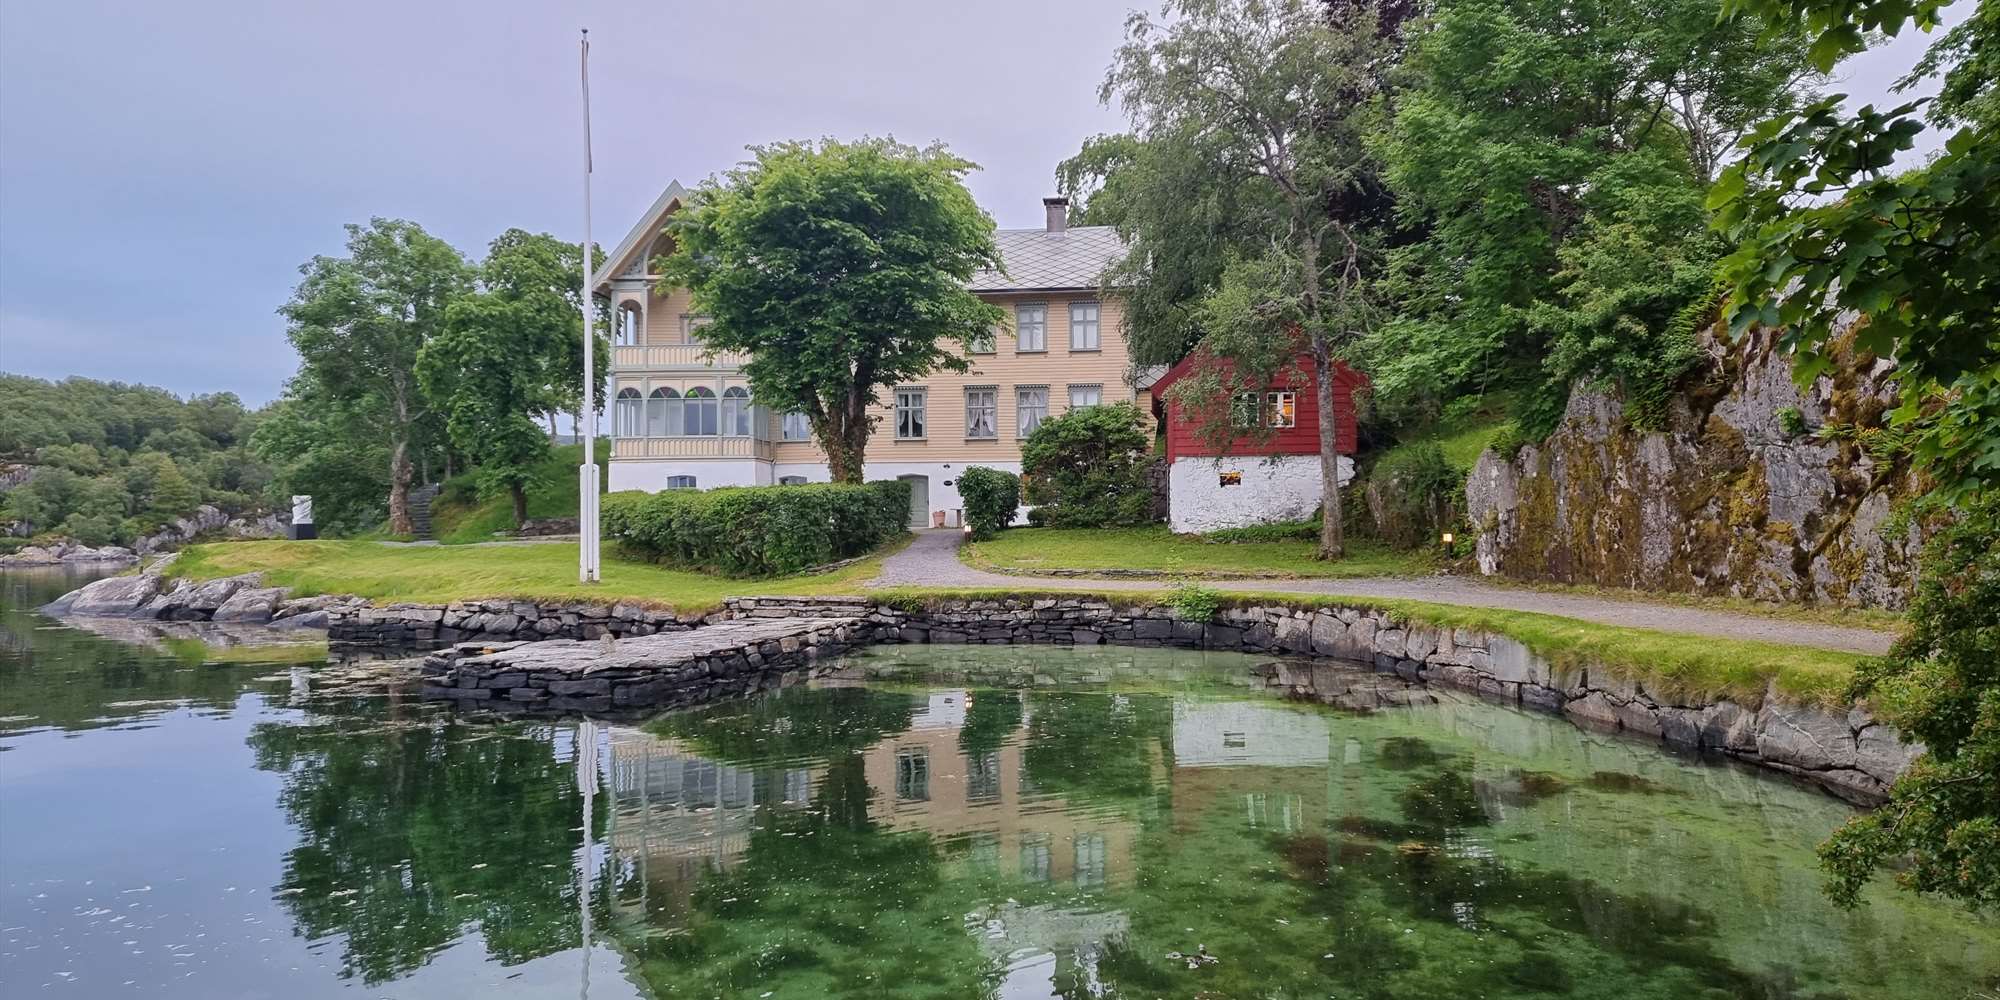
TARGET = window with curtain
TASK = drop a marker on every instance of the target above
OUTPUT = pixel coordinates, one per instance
(1085, 395)
(629, 413)
(663, 413)
(795, 427)
(910, 415)
(1031, 407)
(1083, 326)
(1282, 408)
(736, 411)
(700, 412)
(982, 412)
(1031, 327)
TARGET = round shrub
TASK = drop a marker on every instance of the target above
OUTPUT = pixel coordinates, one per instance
(1087, 468)
(991, 498)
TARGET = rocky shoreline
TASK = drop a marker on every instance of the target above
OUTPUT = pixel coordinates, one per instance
(150, 596)
(205, 521)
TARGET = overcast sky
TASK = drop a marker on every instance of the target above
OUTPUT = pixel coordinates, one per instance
(166, 167)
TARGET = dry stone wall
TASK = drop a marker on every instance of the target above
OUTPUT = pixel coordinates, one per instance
(1740, 495)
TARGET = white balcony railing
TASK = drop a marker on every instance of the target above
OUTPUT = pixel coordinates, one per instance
(703, 446)
(644, 357)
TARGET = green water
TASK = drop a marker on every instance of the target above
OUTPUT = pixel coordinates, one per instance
(184, 819)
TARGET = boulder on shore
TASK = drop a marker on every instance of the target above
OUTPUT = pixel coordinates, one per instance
(250, 604)
(65, 553)
(117, 595)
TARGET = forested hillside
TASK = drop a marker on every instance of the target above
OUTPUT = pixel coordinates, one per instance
(106, 462)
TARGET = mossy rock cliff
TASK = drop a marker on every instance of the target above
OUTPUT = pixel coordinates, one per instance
(1754, 489)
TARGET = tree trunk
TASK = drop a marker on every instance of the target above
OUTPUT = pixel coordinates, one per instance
(399, 489)
(1331, 544)
(520, 494)
(844, 438)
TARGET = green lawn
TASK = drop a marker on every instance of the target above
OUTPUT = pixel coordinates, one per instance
(1156, 549)
(433, 574)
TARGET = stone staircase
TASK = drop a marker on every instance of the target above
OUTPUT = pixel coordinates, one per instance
(420, 510)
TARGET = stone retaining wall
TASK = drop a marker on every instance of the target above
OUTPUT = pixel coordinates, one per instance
(1849, 754)
(421, 626)
(664, 670)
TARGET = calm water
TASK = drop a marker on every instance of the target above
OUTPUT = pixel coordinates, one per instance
(209, 819)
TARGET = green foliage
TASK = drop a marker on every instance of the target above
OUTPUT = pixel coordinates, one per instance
(1421, 493)
(759, 530)
(1791, 421)
(991, 497)
(1087, 468)
(1552, 157)
(1192, 602)
(506, 356)
(112, 461)
(841, 270)
(360, 323)
(1275, 531)
(1269, 101)
(1940, 686)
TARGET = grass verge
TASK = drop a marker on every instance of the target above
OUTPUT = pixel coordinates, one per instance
(545, 571)
(1672, 664)
(1156, 549)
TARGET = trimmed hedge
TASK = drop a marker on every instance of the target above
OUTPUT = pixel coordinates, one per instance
(991, 498)
(758, 530)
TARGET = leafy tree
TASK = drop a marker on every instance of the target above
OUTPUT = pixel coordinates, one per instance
(318, 445)
(1273, 98)
(359, 323)
(1087, 468)
(171, 494)
(841, 269)
(1826, 228)
(1555, 155)
(1941, 686)
(504, 357)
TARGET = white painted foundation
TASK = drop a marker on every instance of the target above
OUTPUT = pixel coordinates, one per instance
(651, 475)
(1285, 488)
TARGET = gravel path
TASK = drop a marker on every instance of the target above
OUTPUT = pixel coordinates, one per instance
(932, 561)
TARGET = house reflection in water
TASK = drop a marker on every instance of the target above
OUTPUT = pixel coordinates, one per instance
(676, 816)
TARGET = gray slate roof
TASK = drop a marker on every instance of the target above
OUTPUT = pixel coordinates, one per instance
(1037, 258)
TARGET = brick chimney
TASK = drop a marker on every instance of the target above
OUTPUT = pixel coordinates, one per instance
(1058, 213)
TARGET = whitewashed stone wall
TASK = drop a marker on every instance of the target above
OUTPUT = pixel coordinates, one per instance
(1287, 489)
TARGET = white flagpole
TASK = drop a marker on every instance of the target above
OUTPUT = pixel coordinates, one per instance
(587, 482)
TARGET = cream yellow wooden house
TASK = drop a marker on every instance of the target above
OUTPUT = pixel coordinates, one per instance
(683, 417)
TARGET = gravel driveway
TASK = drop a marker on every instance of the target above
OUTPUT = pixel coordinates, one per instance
(932, 561)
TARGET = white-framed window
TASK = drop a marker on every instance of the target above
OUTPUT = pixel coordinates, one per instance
(791, 480)
(913, 774)
(680, 482)
(1081, 396)
(1031, 327)
(691, 325)
(1031, 407)
(1083, 326)
(1281, 409)
(1244, 408)
(982, 412)
(986, 343)
(663, 413)
(700, 417)
(910, 415)
(736, 411)
(795, 427)
(629, 413)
